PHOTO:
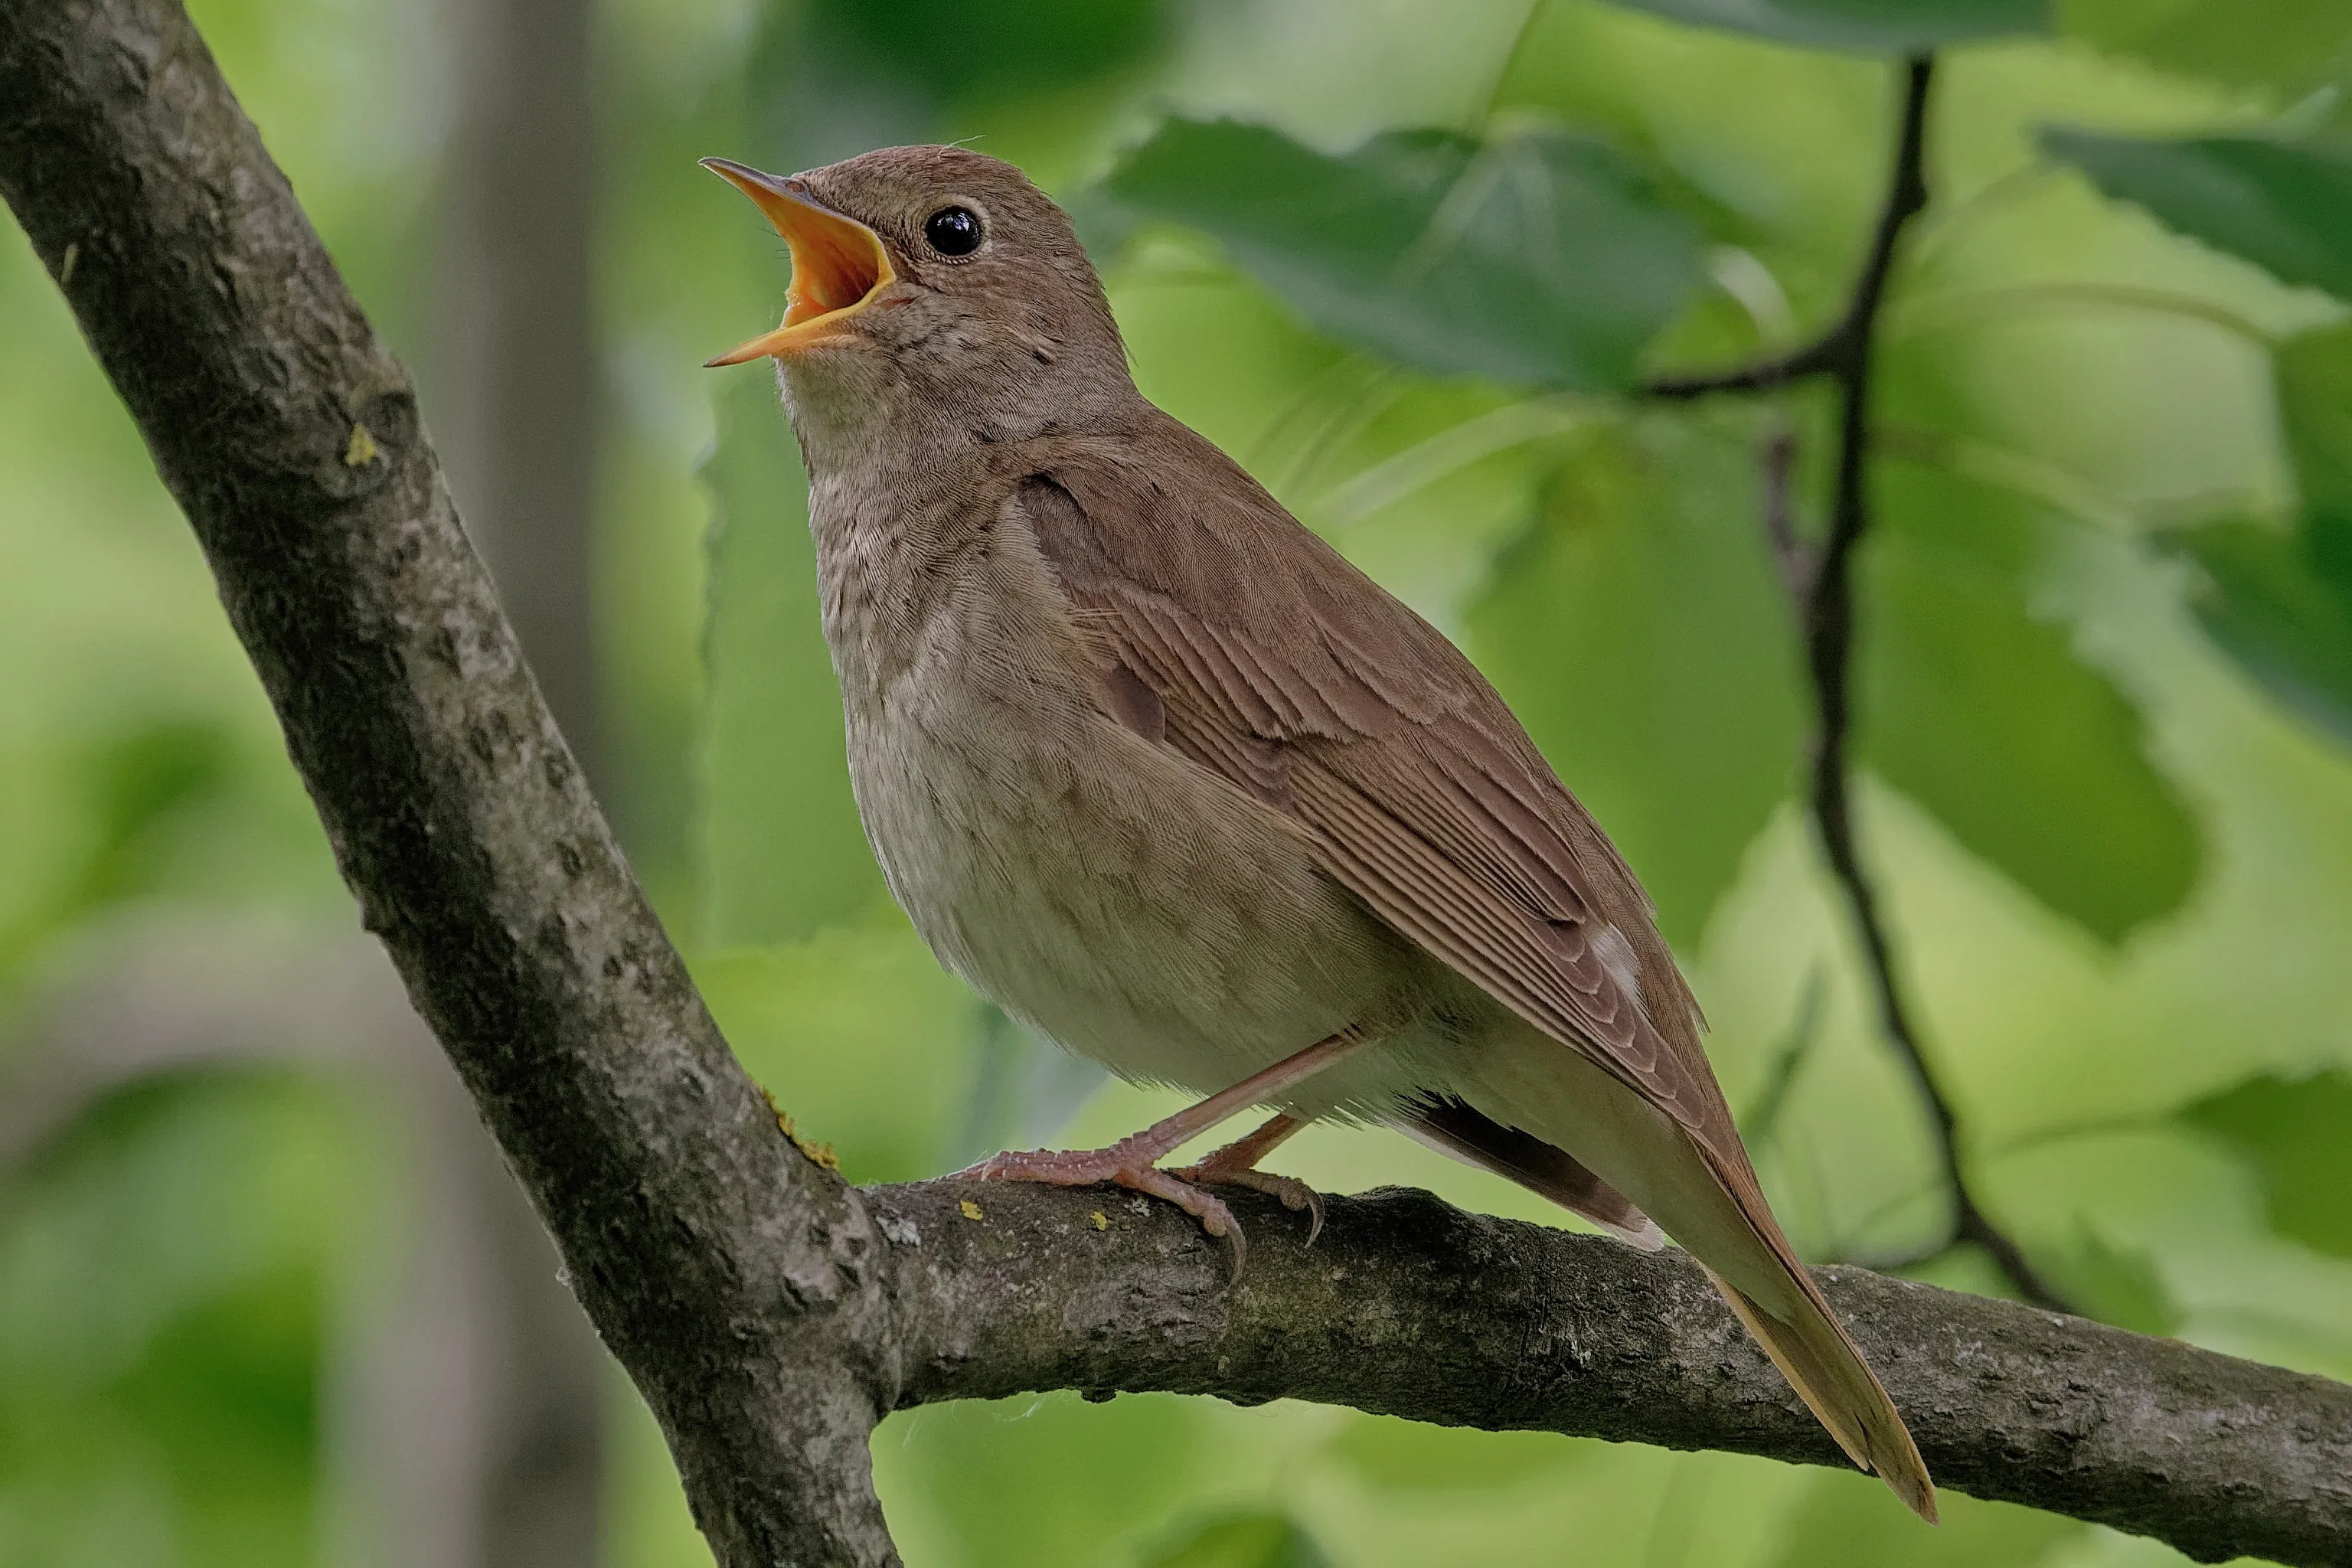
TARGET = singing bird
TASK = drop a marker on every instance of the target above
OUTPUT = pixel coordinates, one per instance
(1156, 770)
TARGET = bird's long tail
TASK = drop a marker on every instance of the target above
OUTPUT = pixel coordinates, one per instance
(1530, 1102)
(1822, 1363)
(1708, 1201)
(1776, 1297)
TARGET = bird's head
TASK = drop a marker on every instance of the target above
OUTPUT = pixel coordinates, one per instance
(932, 282)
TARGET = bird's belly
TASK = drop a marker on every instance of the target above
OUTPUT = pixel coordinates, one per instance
(1112, 896)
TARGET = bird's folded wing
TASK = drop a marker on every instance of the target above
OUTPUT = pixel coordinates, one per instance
(1282, 669)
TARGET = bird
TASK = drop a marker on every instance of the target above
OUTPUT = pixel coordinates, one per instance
(1155, 769)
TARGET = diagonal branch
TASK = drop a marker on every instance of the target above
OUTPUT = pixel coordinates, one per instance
(731, 1276)
(770, 1314)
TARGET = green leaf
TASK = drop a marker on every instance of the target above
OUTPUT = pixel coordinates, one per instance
(1243, 1540)
(864, 1039)
(2313, 381)
(2290, 44)
(2284, 624)
(2113, 1283)
(1870, 27)
(2279, 600)
(783, 853)
(1640, 635)
(2298, 1135)
(1543, 258)
(989, 49)
(2285, 207)
(1981, 713)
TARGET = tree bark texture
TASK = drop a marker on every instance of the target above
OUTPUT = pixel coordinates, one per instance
(733, 1278)
(770, 1314)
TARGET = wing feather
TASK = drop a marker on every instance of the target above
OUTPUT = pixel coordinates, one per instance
(1422, 793)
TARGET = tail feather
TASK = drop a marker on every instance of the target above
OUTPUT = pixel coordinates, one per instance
(1814, 1353)
(1531, 1102)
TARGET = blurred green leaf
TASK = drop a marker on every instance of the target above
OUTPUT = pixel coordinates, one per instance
(1022, 1090)
(2279, 600)
(2313, 375)
(985, 49)
(2285, 207)
(2298, 1134)
(1543, 258)
(1873, 26)
(2286, 625)
(1050, 1481)
(2315, 412)
(137, 782)
(229, 1398)
(134, 786)
(162, 1322)
(2114, 1283)
(1242, 1541)
(1981, 713)
(1639, 634)
(783, 853)
(833, 79)
(2287, 44)
(1853, 1521)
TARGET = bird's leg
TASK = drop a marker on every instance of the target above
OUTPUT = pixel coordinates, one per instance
(1133, 1160)
(1235, 1166)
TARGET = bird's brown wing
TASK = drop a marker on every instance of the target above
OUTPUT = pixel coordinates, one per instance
(1278, 666)
(1236, 635)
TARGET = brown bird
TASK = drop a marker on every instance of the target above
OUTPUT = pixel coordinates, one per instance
(1155, 769)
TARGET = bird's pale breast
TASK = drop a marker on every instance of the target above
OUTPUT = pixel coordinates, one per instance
(1101, 889)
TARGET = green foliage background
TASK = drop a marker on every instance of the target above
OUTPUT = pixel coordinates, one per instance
(2105, 691)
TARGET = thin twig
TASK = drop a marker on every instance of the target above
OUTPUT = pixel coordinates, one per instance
(1822, 583)
(1828, 612)
(1790, 553)
(1816, 358)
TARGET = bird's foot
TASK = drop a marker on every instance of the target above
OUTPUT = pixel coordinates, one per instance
(1235, 1166)
(1129, 1164)
(1295, 1194)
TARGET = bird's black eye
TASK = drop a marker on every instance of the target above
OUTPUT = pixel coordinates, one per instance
(953, 231)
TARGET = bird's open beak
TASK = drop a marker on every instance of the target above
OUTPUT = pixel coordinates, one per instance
(839, 263)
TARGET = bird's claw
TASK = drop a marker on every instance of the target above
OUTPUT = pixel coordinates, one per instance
(1294, 1194)
(1087, 1167)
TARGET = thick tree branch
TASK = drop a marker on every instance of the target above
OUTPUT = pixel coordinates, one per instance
(1412, 1308)
(732, 1277)
(770, 1314)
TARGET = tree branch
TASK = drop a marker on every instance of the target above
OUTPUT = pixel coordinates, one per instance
(1408, 1307)
(732, 1277)
(1828, 616)
(770, 1314)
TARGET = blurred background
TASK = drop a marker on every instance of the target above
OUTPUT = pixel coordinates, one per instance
(266, 1296)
